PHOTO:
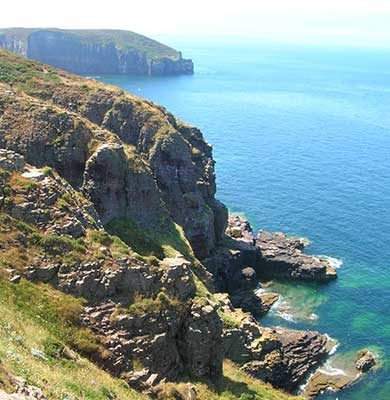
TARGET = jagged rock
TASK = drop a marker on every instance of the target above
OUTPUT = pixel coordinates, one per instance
(11, 161)
(365, 360)
(282, 257)
(42, 273)
(38, 354)
(248, 341)
(302, 353)
(120, 191)
(177, 278)
(43, 204)
(165, 342)
(23, 391)
(257, 304)
(282, 357)
(323, 381)
(201, 343)
(240, 229)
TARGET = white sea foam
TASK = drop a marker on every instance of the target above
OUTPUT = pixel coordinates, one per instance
(313, 317)
(336, 344)
(328, 369)
(286, 316)
(334, 262)
(280, 308)
(284, 311)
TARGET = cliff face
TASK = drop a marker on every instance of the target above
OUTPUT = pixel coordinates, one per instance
(111, 198)
(96, 52)
(135, 159)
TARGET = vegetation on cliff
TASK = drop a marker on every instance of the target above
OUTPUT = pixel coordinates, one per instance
(109, 211)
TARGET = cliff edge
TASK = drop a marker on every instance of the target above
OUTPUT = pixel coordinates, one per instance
(115, 253)
(89, 52)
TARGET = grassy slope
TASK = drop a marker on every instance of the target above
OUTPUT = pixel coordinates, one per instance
(125, 40)
(39, 317)
(36, 316)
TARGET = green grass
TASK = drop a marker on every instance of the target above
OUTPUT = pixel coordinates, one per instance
(234, 385)
(39, 317)
(228, 321)
(167, 241)
(57, 245)
(146, 305)
(23, 73)
(117, 247)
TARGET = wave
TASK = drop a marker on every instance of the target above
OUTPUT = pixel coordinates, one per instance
(328, 369)
(335, 346)
(333, 261)
(286, 316)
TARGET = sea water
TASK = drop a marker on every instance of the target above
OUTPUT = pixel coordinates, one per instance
(301, 138)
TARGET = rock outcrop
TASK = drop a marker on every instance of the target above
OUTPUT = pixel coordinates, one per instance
(132, 158)
(335, 380)
(283, 257)
(92, 180)
(365, 360)
(280, 356)
(89, 52)
(23, 391)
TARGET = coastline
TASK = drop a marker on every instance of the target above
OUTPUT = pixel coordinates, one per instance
(324, 377)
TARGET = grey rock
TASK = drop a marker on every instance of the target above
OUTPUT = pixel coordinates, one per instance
(11, 161)
(201, 343)
(282, 257)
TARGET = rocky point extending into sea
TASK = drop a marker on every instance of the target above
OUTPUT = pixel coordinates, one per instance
(111, 198)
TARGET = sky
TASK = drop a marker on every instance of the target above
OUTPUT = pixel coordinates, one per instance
(331, 21)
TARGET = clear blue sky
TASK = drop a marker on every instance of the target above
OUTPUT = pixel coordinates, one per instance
(339, 21)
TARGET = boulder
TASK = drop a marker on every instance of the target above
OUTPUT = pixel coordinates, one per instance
(365, 360)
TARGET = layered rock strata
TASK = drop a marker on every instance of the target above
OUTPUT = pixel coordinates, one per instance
(283, 257)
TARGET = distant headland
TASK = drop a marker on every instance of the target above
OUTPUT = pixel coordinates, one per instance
(102, 51)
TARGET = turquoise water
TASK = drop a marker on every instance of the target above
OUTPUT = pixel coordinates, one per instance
(301, 137)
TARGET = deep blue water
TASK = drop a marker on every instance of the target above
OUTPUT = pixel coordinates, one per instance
(301, 138)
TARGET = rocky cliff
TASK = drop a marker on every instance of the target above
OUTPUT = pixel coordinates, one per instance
(89, 52)
(107, 203)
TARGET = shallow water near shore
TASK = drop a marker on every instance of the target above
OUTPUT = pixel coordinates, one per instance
(301, 138)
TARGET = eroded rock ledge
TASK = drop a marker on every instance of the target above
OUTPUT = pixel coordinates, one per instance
(283, 257)
(242, 260)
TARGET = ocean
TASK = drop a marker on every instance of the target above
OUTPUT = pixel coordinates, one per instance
(301, 139)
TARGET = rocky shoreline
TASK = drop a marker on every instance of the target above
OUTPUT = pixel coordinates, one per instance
(281, 257)
(110, 198)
